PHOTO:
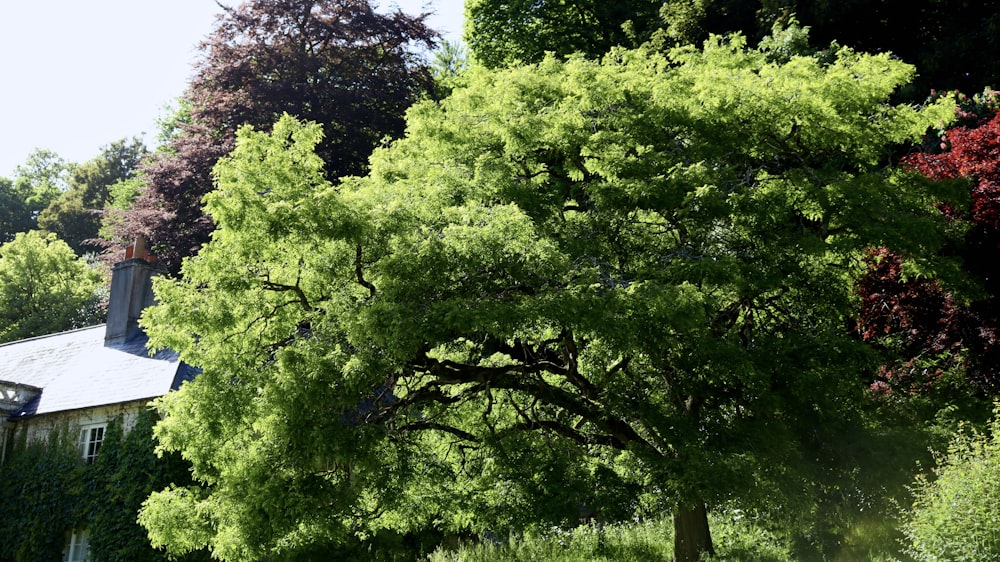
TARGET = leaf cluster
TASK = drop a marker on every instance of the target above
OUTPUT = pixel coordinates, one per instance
(934, 35)
(36, 183)
(40, 498)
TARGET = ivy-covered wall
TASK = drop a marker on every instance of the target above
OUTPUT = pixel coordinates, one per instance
(39, 427)
(46, 491)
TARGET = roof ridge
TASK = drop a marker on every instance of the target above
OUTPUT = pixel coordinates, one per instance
(5, 344)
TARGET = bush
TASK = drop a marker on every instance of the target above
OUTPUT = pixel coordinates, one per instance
(956, 513)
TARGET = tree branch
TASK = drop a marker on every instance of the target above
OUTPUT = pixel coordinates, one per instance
(360, 274)
(427, 425)
(512, 377)
(302, 299)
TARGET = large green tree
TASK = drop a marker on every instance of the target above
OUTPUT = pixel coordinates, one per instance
(44, 287)
(635, 275)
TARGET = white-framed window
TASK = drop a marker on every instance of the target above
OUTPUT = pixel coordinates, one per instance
(77, 547)
(91, 437)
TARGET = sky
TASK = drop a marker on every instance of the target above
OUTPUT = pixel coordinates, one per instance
(78, 75)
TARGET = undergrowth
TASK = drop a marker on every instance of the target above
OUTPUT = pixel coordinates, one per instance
(643, 541)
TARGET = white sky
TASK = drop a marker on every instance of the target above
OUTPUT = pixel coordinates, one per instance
(76, 75)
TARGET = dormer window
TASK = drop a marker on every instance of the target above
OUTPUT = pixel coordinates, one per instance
(91, 437)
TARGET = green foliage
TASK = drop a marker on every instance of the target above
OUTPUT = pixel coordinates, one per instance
(934, 35)
(44, 175)
(170, 125)
(738, 540)
(787, 40)
(75, 216)
(15, 216)
(125, 473)
(44, 287)
(71, 219)
(682, 21)
(862, 477)
(450, 62)
(37, 182)
(616, 286)
(954, 515)
(121, 197)
(502, 33)
(48, 492)
(41, 498)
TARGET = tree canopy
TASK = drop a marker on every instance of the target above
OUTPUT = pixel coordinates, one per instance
(638, 272)
(44, 287)
(15, 213)
(504, 32)
(950, 41)
(334, 62)
(36, 183)
(44, 175)
(75, 216)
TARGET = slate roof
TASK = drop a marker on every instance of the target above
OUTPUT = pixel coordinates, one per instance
(76, 370)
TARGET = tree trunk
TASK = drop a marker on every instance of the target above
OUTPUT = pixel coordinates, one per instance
(692, 537)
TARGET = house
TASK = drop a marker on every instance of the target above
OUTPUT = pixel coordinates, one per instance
(82, 379)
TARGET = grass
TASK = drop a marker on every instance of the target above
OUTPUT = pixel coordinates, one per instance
(645, 541)
(736, 540)
(859, 521)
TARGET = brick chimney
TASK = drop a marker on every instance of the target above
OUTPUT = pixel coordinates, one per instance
(131, 292)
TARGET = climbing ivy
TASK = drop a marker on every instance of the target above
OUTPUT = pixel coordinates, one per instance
(48, 491)
(40, 496)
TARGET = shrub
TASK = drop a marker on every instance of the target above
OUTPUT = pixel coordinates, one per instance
(736, 539)
(956, 512)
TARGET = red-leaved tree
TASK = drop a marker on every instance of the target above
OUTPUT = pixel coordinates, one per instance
(918, 317)
(336, 62)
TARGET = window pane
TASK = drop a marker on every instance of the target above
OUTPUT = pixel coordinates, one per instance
(90, 442)
(78, 547)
